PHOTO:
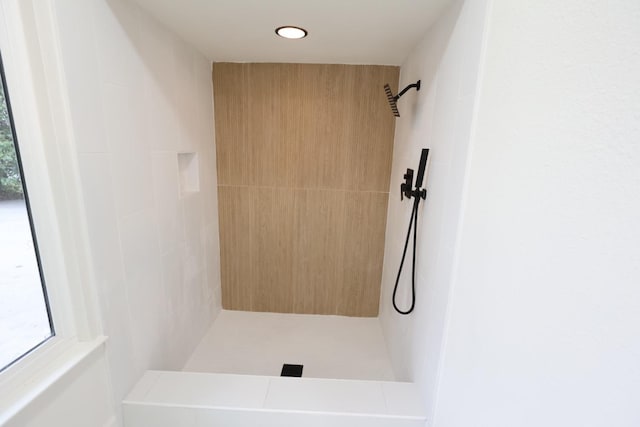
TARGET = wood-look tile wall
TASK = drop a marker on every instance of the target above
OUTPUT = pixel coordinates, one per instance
(304, 156)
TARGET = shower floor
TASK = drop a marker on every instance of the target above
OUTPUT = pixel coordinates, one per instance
(251, 343)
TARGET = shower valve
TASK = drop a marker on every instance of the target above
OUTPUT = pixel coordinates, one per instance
(405, 187)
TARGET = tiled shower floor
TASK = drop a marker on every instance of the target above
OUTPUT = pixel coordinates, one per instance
(259, 343)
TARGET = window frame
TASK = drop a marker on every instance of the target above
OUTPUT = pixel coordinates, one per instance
(35, 76)
(34, 237)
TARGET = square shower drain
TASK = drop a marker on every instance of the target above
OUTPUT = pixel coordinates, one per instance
(291, 370)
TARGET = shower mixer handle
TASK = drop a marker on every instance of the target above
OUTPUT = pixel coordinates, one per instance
(405, 187)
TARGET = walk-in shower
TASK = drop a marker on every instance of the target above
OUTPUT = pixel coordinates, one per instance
(303, 190)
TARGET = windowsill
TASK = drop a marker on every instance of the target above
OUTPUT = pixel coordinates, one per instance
(21, 384)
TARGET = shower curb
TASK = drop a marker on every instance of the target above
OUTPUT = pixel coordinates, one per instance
(190, 399)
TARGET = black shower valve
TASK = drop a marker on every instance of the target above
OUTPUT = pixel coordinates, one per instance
(405, 187)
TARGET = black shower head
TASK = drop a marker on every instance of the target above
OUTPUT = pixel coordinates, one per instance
(393, 99)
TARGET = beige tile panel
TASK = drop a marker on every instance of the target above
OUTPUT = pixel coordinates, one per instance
(318, 245)
(304, 156)
(304, 125)
(271, 254)
(301, 251)
(364, 222)
(369, 141)
(236, 241)
(231, 117)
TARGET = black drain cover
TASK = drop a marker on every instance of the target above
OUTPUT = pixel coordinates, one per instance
(291, 370)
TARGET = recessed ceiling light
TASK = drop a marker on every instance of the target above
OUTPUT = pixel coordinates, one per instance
(289, 32)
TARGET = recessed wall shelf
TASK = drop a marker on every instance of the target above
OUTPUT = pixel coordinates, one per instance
(189, 173)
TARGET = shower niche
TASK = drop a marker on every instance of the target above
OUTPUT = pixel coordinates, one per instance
(189, 173)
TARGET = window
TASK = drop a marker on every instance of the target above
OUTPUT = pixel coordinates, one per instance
(34, 79)
(25, 318)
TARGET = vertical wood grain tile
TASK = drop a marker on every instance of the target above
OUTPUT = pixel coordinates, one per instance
(364, 224)
(231, 105)
(324, 141)
(264, 124)
(369, 152)
(271, 252)
(235, 247)
(304, 157)
(318, 247)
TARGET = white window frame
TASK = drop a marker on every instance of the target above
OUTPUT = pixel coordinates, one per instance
(37, 87)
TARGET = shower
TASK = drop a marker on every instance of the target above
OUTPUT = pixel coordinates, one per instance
(393, 99)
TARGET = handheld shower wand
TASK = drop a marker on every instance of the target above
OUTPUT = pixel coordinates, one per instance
(418, 194)
(393, 99)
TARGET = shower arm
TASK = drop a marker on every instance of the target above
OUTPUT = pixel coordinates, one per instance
(411, 86)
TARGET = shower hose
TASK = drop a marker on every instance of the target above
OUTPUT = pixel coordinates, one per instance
(413, 225)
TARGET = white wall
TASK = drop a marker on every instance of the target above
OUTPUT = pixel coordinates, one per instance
(438, 117)
(545, 318)
(79, 399)
(138, 96)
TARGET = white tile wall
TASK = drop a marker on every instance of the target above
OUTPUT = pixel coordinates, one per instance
(138, 96)
(197, 389)
(168, 416)
(321, 395)
(168, 210)
(438, 117)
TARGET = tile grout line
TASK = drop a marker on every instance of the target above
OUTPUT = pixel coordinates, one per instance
(384, 398)
(155, 383)
(264, 401)
(302, 188)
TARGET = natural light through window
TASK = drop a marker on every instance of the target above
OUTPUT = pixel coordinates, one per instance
(24, 315)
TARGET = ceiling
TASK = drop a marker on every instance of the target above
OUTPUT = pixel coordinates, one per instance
(340, 31)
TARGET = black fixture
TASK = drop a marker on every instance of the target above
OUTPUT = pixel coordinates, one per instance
(291, 370)
(393, 99)
(405, 187)
(418, 194)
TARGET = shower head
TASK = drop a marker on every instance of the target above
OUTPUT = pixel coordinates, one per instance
(393, 99)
